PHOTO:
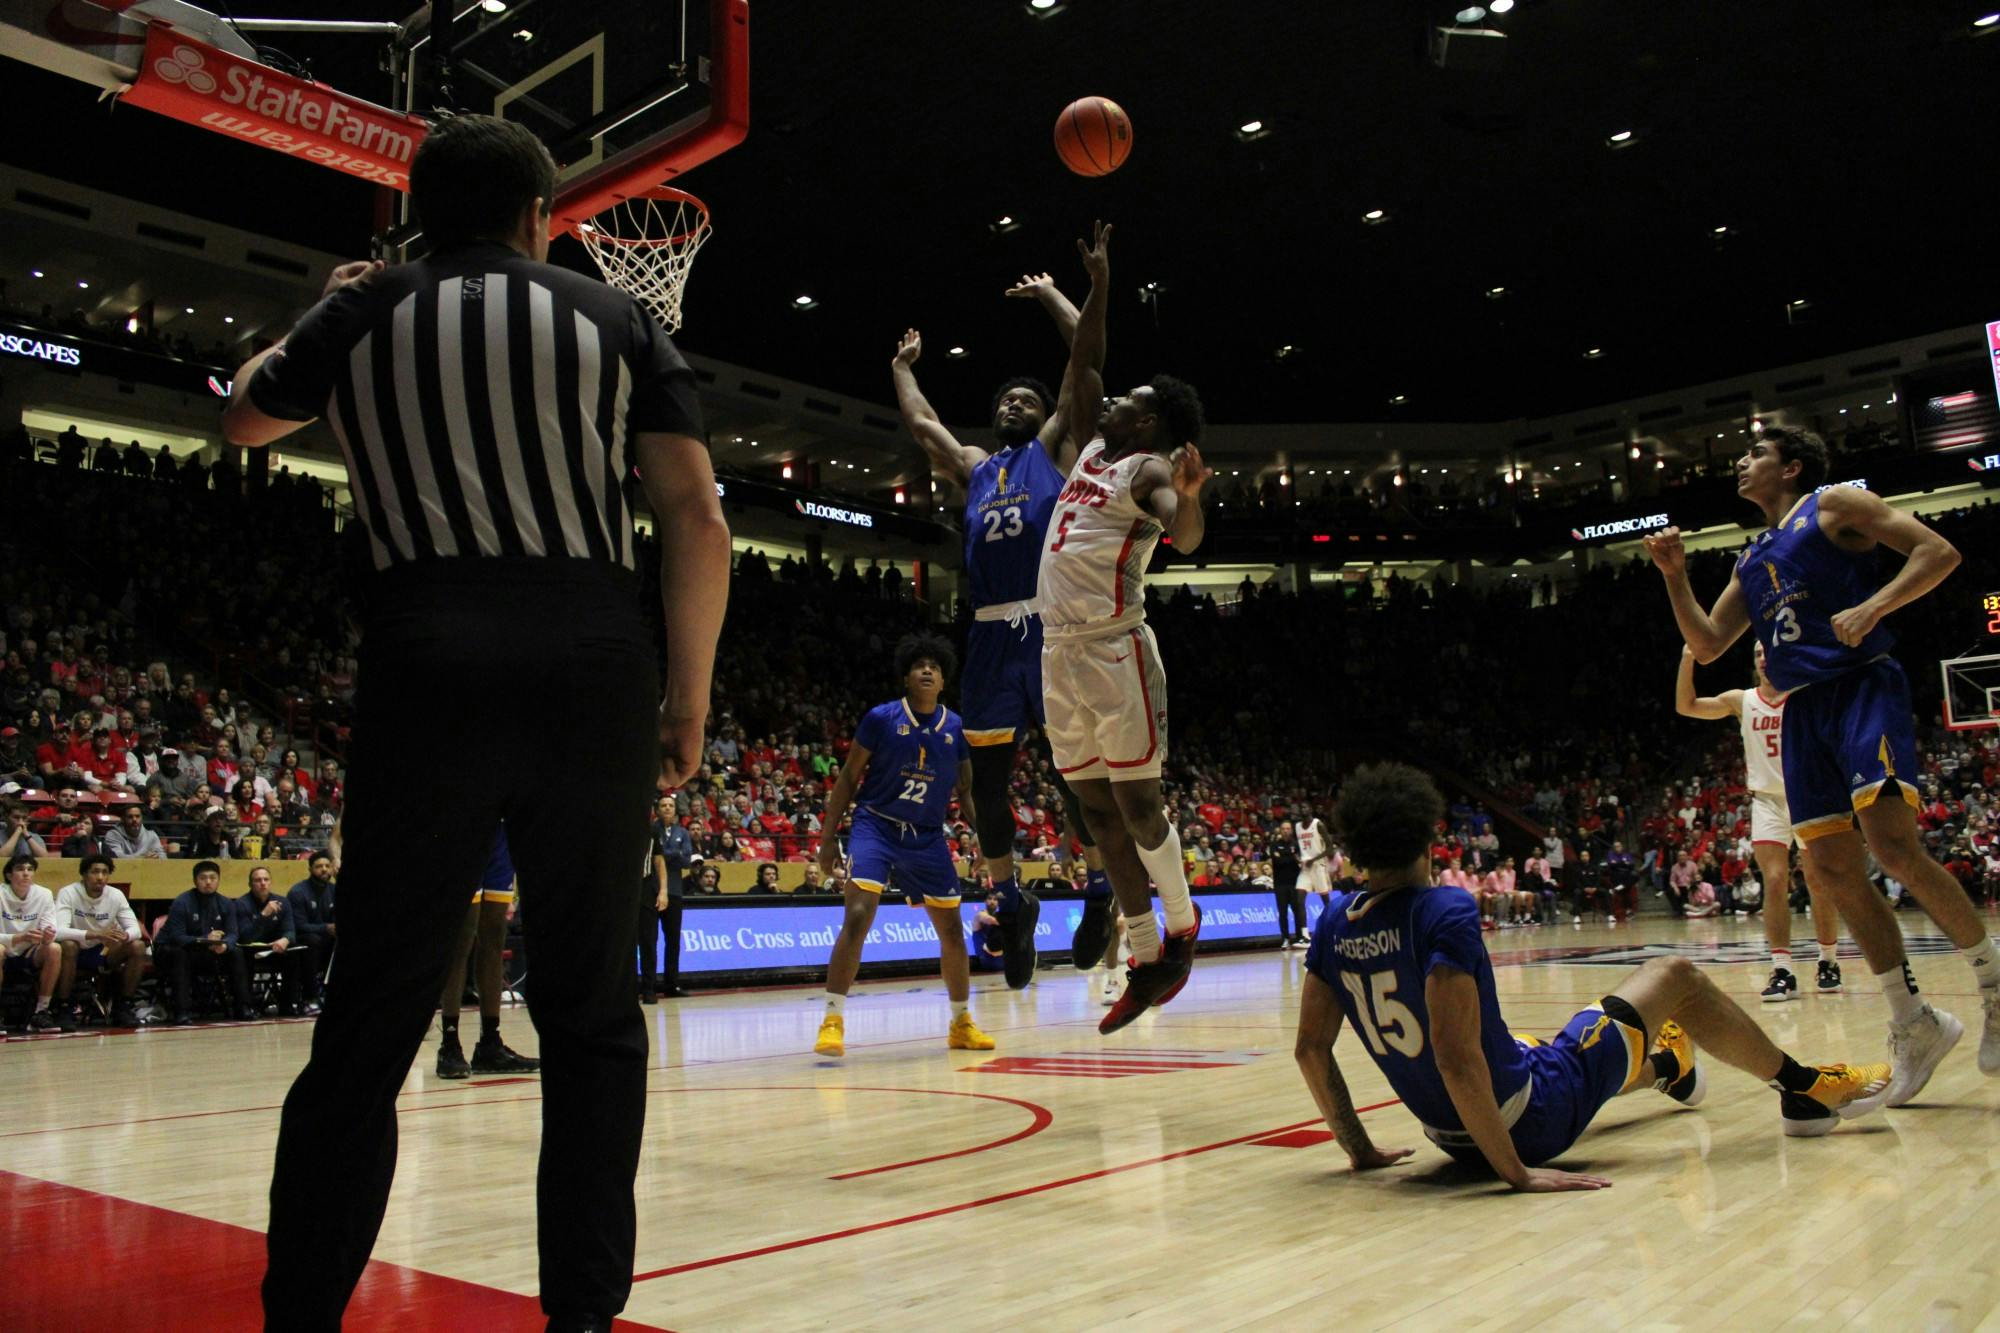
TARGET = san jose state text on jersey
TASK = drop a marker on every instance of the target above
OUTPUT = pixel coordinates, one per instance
(1796, 581)
(912, 762)
(1008, 499)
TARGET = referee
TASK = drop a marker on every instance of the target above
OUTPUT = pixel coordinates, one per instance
(490, 407)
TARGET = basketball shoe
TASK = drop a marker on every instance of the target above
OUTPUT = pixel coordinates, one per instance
(1784, 986)
(1109, 987)
(1689, 1083)
(1915, 1048)
(964, 1036)
(1841, 1092)
(490, 1055)
(832, 1036)
(451, 1058)
(1829, 977)
(1154, 983)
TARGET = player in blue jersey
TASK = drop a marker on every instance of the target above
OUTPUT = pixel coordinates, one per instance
(483, 938)
(906, 757)
(1405, 964)
(1009, 494)
(1809, 588)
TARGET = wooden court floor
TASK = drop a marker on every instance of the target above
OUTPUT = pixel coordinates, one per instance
(1172, 1176)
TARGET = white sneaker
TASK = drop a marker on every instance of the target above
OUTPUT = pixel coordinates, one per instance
(1915, 1048)
(1989, 1041)
(1110, 988)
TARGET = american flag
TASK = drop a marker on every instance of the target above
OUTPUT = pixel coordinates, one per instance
(1961, 420)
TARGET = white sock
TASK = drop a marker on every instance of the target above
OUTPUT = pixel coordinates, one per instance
(41, 1003)
(1169, 871)
(1829, 953)
(1782, 958)
(1985, 962)
(836, 1005)
(1142, 934)
(960, 1009)
(1901, 990)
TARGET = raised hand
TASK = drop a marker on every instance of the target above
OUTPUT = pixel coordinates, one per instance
(1032, 285)
(346, 275)
(1097, 255)
(910, 348)
(1189, 473)
(1667, 552)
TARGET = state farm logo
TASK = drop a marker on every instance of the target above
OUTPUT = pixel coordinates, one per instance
(184, 64)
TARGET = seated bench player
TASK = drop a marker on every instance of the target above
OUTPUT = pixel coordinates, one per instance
(112, 943)
(28, 937)
(1405, 964)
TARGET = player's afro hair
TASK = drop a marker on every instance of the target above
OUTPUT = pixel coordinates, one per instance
(914, 648)
(1387, 815)
(1795, 444)
(1029, 382)
(1180, 411)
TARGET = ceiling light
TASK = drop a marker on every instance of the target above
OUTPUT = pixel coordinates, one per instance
(524, 35)
(786, 473)
(1843, 411)
(1800, 304)
(1635, 451)
(1347, 472)
(1592, 353)
(229, 319)
(1495, 293)
(1501, 7)
(739, 439)
(1720, 231)
(803, 302)
(1986, 20)
(1620, 139)
(493, 6)
(868, 469)
(956, 353)
(1042, 9)
(1399, 399)
(1250, 127)
(753, 443)
(933, 488)
(1659, 465)
(1374, 215)
(34, 272)
(84, 285)
(1472, 13)
(1284, 351)
(1866, 406)
(187, 310)
(1003, 224)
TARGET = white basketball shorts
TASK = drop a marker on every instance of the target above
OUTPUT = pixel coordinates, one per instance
(1770, 820)
(1317, 877)
(1106, 704)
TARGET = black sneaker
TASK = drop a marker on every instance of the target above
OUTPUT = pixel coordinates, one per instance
(40, 1021)
(66, 1017)
(1019, 925)
(1154, 983)
(493, 1057)
(1784, 986)
(1093, 934)
(451, 1059)
(124, 1016)
(1829, 977)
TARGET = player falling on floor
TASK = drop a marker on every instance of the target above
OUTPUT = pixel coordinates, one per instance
(1406, 965)
(1760, 713)
(1009, 494)
(906, 757)
(1809, 587)
(1103, 689)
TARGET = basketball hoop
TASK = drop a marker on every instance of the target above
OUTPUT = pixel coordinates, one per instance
(645, 245)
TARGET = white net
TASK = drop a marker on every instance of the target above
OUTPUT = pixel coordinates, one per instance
(647, 245)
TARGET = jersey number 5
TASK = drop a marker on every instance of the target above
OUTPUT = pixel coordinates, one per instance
(1785, 627)
(1062, 529)
(994, 518)
(1387, 1020)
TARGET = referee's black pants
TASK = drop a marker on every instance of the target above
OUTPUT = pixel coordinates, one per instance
(659, 968)
(481, 687)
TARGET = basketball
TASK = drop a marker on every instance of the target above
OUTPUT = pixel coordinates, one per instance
(1093, 136)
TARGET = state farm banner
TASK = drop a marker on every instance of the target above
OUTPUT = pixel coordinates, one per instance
(203, 86)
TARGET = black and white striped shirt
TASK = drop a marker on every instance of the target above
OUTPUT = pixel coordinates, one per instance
(485, 404)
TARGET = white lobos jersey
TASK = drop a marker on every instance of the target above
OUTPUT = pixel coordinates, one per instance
(1312, 840)
(1763, 722)
(1093, 572)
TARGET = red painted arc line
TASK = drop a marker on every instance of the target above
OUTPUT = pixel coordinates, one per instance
(987, 1201)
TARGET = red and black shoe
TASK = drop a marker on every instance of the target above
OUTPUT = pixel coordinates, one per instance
(1154, 983)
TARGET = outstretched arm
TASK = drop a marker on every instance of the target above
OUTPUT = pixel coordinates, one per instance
(1057, 437)
(1863, 515)
(1709, 632)
(1082, 397)
(1173, 496)
(949, 459)
(1727, 704)
(1319, 1027)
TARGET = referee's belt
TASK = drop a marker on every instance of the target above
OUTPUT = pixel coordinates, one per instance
(1510, 1111)
(1014, 613)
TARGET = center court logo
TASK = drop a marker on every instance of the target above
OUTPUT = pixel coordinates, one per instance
(1618, 527)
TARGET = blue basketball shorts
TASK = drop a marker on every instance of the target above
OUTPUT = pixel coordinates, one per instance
(1847, 741)
(1571, 1077)
(883, 854)
(1000, 695)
